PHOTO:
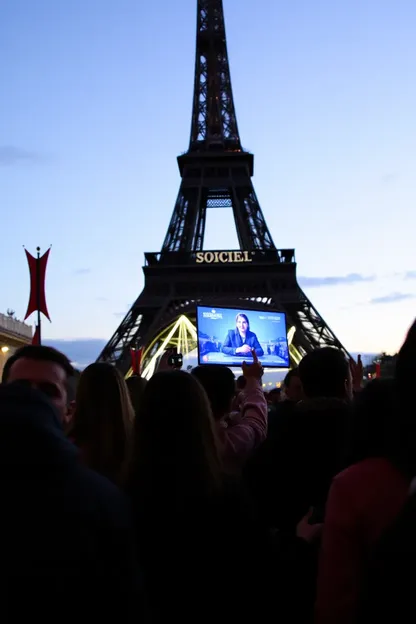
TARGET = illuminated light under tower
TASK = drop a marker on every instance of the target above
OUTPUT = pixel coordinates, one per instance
(182, 335)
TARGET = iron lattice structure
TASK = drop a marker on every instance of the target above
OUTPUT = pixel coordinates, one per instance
(214, 121)
(216, 172)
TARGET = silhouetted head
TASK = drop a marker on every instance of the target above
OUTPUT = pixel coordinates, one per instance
(103, 420)
(383, 427)
(219, 384)
(405, 376)
(175, 436)
(406, 367)
(136, 386)
(44, 369)
(373, 421)
(326, 373)
(274, 396)
(293, 386)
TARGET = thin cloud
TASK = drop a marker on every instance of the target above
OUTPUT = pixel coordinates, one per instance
(82, 271)
(11, 155)
(392, 298)
(410, 275)
(320, 282)
(389, 178)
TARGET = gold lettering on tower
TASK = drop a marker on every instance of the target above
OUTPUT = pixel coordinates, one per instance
(223, 257)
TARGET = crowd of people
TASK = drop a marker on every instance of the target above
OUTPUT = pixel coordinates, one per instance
(194, 496)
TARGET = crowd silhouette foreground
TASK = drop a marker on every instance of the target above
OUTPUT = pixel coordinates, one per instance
(195, 497)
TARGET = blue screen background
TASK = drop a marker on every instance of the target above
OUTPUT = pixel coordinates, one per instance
(269, 327)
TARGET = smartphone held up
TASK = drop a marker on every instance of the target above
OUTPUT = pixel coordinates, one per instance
(175, 359)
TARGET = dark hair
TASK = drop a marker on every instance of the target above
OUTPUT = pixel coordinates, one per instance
(294, 372)
(103, 421)
(175, 438)
(405, 407)
(275, 392)
(136, 386)
(323, 373)
(243, 316)
(406, 365)
(219, 384)
(380, 427)
(372, 421)
(38, 353)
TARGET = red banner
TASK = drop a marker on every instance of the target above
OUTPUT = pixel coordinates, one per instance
(136, 360)
(378, 370)
(36, 337)
(37, 269)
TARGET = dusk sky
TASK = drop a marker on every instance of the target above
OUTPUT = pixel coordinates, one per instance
(96, 104)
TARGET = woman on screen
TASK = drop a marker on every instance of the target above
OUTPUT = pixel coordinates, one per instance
(240, 341)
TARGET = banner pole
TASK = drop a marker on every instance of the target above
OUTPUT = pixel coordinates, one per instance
(38, 294)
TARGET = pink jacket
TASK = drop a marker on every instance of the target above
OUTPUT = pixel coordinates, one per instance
(240, 437)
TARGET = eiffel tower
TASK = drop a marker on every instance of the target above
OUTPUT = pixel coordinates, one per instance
(216, 172)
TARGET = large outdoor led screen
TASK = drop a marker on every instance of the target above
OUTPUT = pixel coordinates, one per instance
(227, 336)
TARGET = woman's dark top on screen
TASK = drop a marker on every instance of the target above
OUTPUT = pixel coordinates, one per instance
(234, 341)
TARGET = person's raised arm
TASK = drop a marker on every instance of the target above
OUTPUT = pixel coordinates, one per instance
(251, 430)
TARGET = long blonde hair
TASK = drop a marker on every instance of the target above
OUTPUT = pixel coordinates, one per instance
(103, 421)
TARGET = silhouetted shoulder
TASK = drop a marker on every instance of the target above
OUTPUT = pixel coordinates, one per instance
(97, 494)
